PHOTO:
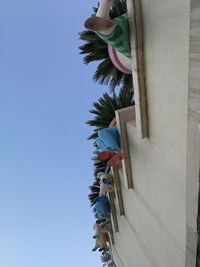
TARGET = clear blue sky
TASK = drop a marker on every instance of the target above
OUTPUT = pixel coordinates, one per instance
(45, 167)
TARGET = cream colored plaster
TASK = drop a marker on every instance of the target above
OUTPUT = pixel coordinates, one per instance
(153, 231)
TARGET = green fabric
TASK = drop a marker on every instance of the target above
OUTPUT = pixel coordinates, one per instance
(119, 38)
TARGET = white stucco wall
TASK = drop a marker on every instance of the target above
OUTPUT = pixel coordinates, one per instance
(153, 230)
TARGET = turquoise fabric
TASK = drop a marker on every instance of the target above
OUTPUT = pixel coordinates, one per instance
(108, 139)
(102, 207)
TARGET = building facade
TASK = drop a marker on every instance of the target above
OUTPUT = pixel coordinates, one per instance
(157, 189)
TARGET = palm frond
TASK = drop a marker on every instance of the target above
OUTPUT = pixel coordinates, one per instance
(94, 192)
(104, 109)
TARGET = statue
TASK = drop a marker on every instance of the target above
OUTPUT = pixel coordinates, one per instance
(115, 33)
(108, 145)
(105, 183)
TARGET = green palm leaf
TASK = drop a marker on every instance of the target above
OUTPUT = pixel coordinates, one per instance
(94, 192)
(104, 109)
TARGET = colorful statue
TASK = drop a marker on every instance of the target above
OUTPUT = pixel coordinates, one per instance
(115, 33)
(102, 207)
(105, 183)
(101, 237)
(101, 241)
(108, 145)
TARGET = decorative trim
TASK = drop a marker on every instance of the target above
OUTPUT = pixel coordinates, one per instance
(111, 235)
(122, 116)
(118, 191)
(111, 197)
(193, 142)
(138, 66)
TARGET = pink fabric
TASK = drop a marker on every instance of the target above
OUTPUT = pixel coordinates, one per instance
(116, 62)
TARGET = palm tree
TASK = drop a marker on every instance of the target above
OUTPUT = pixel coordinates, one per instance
(94, 192)
(95, 49)
(104, 109)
